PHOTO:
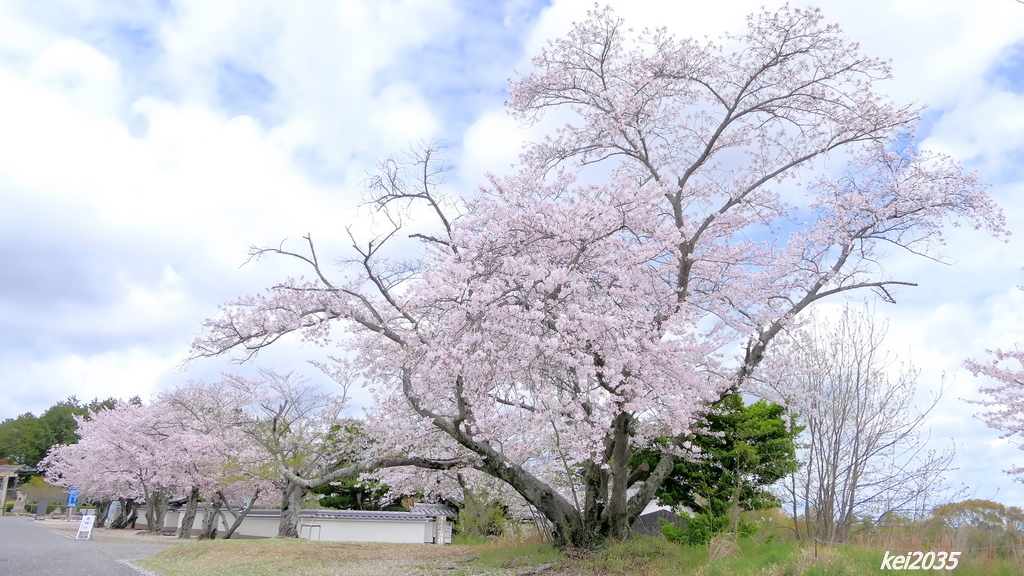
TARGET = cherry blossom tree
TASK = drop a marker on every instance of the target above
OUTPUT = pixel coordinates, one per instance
(551, 328)
(155, 452)
(234, 471)
(297, 427)
(1005, 402)
(1006, 399)
(131, 452)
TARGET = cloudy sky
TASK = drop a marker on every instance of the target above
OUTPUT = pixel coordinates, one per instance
(145, 145)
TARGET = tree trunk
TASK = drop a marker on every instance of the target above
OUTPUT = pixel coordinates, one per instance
(127, 513)
(240, 515)
(102, 509)
(291, 500)
(156, 509)
(210, 519)
(796, 521)
(570, 527)
(189, 519)
(618, 524)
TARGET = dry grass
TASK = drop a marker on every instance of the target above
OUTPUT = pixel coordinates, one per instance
(300, 557)
(723, 547)
(501, 557)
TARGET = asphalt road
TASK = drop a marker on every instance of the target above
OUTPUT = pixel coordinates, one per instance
(30, 549)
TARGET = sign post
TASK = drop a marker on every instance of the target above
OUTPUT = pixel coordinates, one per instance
(72, 500)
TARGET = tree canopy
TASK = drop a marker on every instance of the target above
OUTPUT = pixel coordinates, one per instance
(26, 439)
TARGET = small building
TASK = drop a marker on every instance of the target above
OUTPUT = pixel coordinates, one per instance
(649, 524)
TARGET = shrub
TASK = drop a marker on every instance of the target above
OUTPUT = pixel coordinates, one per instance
(700, 529)
(480, 516)
(31, 507)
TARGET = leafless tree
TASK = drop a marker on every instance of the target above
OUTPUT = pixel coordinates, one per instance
(864, 448)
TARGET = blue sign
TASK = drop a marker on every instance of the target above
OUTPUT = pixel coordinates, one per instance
(72, 497)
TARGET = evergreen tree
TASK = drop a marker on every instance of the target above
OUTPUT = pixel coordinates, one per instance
(744, 449)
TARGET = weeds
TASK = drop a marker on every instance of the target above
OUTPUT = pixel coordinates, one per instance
(504, 556)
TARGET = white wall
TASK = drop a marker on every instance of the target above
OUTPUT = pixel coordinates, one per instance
(407, 531)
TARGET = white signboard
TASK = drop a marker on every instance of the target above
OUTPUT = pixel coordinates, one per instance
(85, 527)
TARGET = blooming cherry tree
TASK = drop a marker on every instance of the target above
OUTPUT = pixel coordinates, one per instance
(1005, 400)
(552, 328)
(155, 452)
(233, 469)
(130, 452)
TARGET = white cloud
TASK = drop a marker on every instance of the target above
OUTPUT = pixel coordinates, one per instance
(82, 74)
(119, 374)
(986, 130)
(402, 115)
(324, 62)
(491, 144)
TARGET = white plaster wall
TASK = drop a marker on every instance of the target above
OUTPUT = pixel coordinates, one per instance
(405, 532)
(172, 520)
(258, 527)
(363, 530)
(250, 526)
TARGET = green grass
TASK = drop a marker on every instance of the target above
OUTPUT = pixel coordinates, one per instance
(527, 554)
(642, 556)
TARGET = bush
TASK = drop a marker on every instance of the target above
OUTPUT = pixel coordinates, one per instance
(480, 516)
(31, 507)
(8, 507)
(698, 530)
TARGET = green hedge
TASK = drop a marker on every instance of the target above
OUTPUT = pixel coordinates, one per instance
(31, 508)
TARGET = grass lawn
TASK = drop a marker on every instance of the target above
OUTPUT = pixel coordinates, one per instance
(645, 556)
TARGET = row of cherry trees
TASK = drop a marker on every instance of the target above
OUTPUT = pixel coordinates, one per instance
(547, 330)
(213, 442)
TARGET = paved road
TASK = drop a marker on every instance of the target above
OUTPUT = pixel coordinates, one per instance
(29, 549)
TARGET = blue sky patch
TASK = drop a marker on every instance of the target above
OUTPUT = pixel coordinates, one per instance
(467, 72)
(1008, 73)
(240, 91)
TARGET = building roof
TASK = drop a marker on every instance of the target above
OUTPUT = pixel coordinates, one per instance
(433, 510)
(363, 515)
